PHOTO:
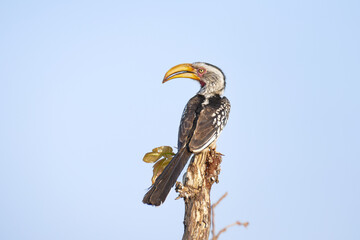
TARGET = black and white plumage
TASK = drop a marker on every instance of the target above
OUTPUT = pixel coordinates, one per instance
(204, 117)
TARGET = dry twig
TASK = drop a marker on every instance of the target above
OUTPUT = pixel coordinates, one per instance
(216, 236)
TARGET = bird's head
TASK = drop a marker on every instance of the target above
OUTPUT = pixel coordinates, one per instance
(210, 77)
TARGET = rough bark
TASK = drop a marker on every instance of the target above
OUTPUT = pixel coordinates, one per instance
(201, 174)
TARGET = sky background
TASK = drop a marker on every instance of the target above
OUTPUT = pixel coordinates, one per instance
(81, 102)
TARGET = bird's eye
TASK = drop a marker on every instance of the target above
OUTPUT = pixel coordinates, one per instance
(201, 70)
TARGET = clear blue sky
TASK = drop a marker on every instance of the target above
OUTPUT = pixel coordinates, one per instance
(81, 101)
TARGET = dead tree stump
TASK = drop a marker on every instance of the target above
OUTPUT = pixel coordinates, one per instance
(201, 174)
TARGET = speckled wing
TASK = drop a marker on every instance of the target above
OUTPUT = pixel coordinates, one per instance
(190, 113)
(211, 121)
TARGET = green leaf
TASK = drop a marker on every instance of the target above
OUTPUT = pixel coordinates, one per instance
(165, 154)
(163, 150)
(159, 168)
(151, 157)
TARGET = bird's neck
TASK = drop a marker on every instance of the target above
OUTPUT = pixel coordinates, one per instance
(208, 92)
(213, 86)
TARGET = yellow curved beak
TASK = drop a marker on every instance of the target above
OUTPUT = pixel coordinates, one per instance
(184, 70)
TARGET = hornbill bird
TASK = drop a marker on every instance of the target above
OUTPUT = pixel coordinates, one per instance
(202, 121)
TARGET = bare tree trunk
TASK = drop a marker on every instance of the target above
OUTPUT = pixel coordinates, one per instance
(202, 172)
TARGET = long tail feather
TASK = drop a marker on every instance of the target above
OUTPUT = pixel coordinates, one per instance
(161, 188)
